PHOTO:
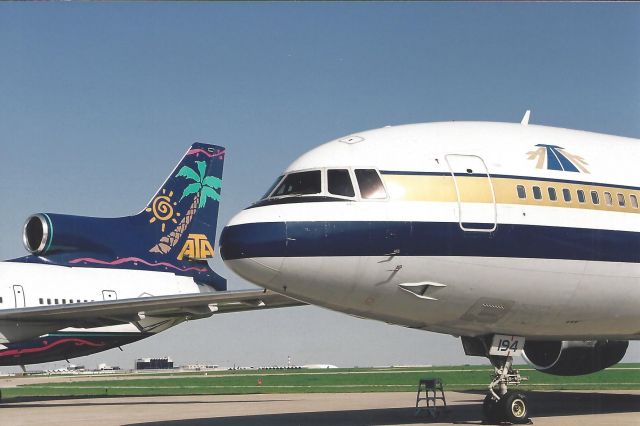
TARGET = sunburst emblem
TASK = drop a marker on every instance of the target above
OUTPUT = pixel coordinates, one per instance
(162, 209)
(557, 158)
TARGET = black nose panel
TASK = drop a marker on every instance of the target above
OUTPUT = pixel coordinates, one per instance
(250, 240)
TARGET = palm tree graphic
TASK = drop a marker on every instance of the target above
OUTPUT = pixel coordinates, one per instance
(203, 188)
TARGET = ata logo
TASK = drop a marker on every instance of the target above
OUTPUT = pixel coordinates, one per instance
(556, 158)
(196, 247)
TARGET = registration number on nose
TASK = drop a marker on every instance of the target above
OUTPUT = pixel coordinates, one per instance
(503, 345)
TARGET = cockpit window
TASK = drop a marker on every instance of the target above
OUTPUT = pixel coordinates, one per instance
(272, 187)
(370, 184)
(339, 183)
(301, 183)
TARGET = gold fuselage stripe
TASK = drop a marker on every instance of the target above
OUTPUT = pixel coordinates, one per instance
(476, 189)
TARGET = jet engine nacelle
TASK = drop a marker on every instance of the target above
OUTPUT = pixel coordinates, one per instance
(569, 358)
(46, 233)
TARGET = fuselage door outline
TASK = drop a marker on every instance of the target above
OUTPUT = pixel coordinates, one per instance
(473, 215)
(18, 294)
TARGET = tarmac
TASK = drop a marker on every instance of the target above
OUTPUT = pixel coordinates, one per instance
(617, 408)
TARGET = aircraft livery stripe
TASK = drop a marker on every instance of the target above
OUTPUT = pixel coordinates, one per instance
(530, 178)
(350, 238)
(478, 189)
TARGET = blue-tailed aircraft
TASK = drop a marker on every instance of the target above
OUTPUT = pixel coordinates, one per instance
(92, 284)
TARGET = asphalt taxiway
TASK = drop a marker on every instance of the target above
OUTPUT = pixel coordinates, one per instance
(549, 408)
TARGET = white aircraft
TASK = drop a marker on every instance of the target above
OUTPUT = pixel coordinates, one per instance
(92, 284)
(518, 238)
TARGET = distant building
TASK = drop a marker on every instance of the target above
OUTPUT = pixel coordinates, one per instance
(318, 366)
(200, 367)
(106, 367)
(165, 363)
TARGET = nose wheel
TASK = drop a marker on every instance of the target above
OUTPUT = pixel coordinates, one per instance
(501, 405)
(512, 407)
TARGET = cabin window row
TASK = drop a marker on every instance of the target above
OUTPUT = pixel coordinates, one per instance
(581, 195)
(49, 301)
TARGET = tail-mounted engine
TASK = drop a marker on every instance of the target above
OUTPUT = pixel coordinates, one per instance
(54, 233)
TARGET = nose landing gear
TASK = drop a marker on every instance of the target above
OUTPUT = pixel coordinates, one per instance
(500, 404)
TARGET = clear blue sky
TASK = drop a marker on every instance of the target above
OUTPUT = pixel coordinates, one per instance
(98, 101)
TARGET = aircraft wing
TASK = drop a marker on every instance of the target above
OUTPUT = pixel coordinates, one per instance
(191, 306)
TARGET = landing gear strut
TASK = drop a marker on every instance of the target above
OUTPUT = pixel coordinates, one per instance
(500, 404)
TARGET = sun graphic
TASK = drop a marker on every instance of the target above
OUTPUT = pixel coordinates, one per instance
(162, 209)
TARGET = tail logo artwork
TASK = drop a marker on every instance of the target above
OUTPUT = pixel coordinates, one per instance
(162, 209)
(197, 246)
(202, 188)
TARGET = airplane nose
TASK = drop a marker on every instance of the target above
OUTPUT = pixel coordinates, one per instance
(255, 251)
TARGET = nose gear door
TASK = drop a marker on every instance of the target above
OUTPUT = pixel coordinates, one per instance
(476, 197)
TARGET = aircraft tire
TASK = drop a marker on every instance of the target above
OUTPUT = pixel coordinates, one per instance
(514, 408)
(491, 410)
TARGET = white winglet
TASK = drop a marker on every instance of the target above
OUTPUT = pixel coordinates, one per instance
(525, 119)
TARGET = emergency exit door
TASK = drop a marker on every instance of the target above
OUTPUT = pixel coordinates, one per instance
(109, 295)
(476, 197)
(18, 294)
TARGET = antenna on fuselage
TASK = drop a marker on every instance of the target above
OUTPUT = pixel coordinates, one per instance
(525, 119)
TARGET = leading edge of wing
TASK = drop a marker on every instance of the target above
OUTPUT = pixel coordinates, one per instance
(227, 301)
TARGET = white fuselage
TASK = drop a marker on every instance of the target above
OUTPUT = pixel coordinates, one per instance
(33, 285)
(485, 228)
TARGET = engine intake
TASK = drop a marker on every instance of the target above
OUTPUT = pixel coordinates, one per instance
(574, 358)
(36, 233)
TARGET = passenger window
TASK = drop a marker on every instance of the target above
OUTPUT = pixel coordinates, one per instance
(64, 301)
(271, 188)
(608, 199)
(339, 183)
(621, 201)
(41, 301)
(634, 201)
(581, 197)
(301, 183)
(594, 197)
(370, 184)
(566, 193)
(537, 193)
(522, 193)
(48, 301)
(56, 301)
(552, 194)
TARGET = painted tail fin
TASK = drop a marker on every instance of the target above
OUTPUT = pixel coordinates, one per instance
(183, 214)
(175, 232)
(184, 211)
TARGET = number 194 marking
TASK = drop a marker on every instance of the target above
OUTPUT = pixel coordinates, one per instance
(506, 345)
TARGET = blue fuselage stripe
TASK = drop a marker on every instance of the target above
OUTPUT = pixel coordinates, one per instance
(373, 238)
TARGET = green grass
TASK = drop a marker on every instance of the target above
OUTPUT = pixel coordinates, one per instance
(622, 377)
